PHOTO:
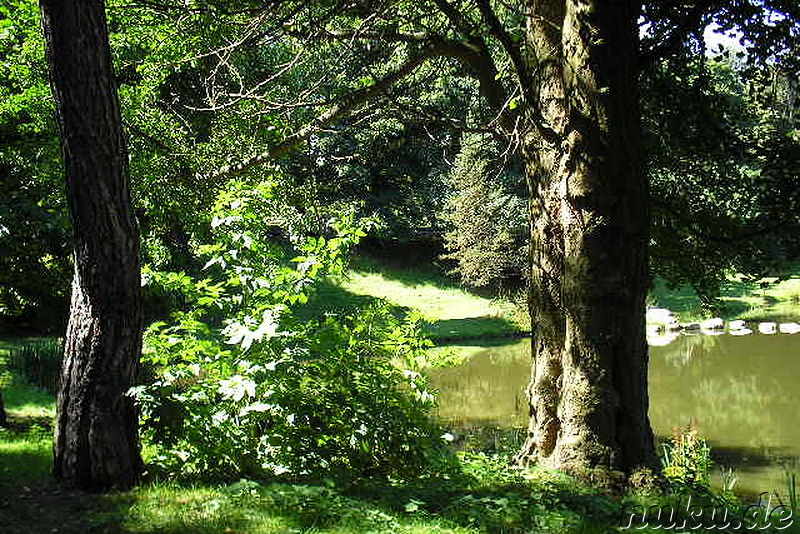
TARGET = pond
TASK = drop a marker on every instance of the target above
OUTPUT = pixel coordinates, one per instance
(740, 393)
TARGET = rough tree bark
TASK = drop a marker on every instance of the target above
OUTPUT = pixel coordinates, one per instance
(96, 441)
(589, 228)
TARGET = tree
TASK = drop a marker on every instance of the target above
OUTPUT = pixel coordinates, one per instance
(558, 80)
(96, 438)
(488, 219)
(589, 220)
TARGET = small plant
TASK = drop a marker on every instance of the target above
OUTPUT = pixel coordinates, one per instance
(791, 490)
(687, 459)
(729, 481)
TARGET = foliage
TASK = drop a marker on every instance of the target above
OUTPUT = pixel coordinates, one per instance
(389, 169)
(490, 497)
(268, 393)
(488, 216)
(253, 507)
(687, 460)
(194, 105)
(722, 174)
(34, 262)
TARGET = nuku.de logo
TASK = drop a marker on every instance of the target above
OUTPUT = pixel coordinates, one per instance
(688, 515)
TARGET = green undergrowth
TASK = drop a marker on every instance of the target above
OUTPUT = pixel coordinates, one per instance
(490, 498)
(484, 496)
(487, 497)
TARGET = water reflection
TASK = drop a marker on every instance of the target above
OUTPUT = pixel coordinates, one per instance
(741, 392)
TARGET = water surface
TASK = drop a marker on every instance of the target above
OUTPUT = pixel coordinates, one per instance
(741, 393)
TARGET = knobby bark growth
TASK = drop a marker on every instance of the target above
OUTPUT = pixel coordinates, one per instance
(96, 439)
(589, 228)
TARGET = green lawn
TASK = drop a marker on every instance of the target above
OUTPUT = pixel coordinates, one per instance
(488, 497)
(485, 497)
(739, 300)
(454, 313)
(459, 314)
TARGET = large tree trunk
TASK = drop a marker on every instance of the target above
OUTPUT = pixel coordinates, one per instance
(589, 227)
(96, 442)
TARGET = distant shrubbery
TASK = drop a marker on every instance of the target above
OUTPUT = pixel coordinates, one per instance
(37, 362)
(487, 217)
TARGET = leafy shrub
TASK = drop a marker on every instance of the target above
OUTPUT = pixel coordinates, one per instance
(687, 460)
(268, 394)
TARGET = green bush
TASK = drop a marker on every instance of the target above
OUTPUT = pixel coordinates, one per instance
(269, 394)
(687, 460)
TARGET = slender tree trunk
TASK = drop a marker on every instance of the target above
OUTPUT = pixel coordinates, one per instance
(589, 227)
(3, 417)
(96, 441)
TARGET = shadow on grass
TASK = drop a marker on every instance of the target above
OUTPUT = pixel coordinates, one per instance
(330, 297)
(484, 329)
(486, 342)
(411, 276)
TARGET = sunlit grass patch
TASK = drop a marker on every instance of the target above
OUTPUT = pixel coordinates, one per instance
(249, 507)
(26, 446)
(25, 457)
(24, 401)
(766, 299)
(453, 311)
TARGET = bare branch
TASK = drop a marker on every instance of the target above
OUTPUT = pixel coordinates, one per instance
(346, 104)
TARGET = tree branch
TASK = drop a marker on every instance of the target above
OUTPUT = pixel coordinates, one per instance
(347, 104)
(690, 22)
(513, 51)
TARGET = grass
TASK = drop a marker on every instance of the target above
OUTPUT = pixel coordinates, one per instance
(487, 497)
(456, 313)
(453, 312)
(21, 400)
(490, 499)
(739, 299)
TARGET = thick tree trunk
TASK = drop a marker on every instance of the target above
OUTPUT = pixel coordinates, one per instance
(589, 227)
(96, 442)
